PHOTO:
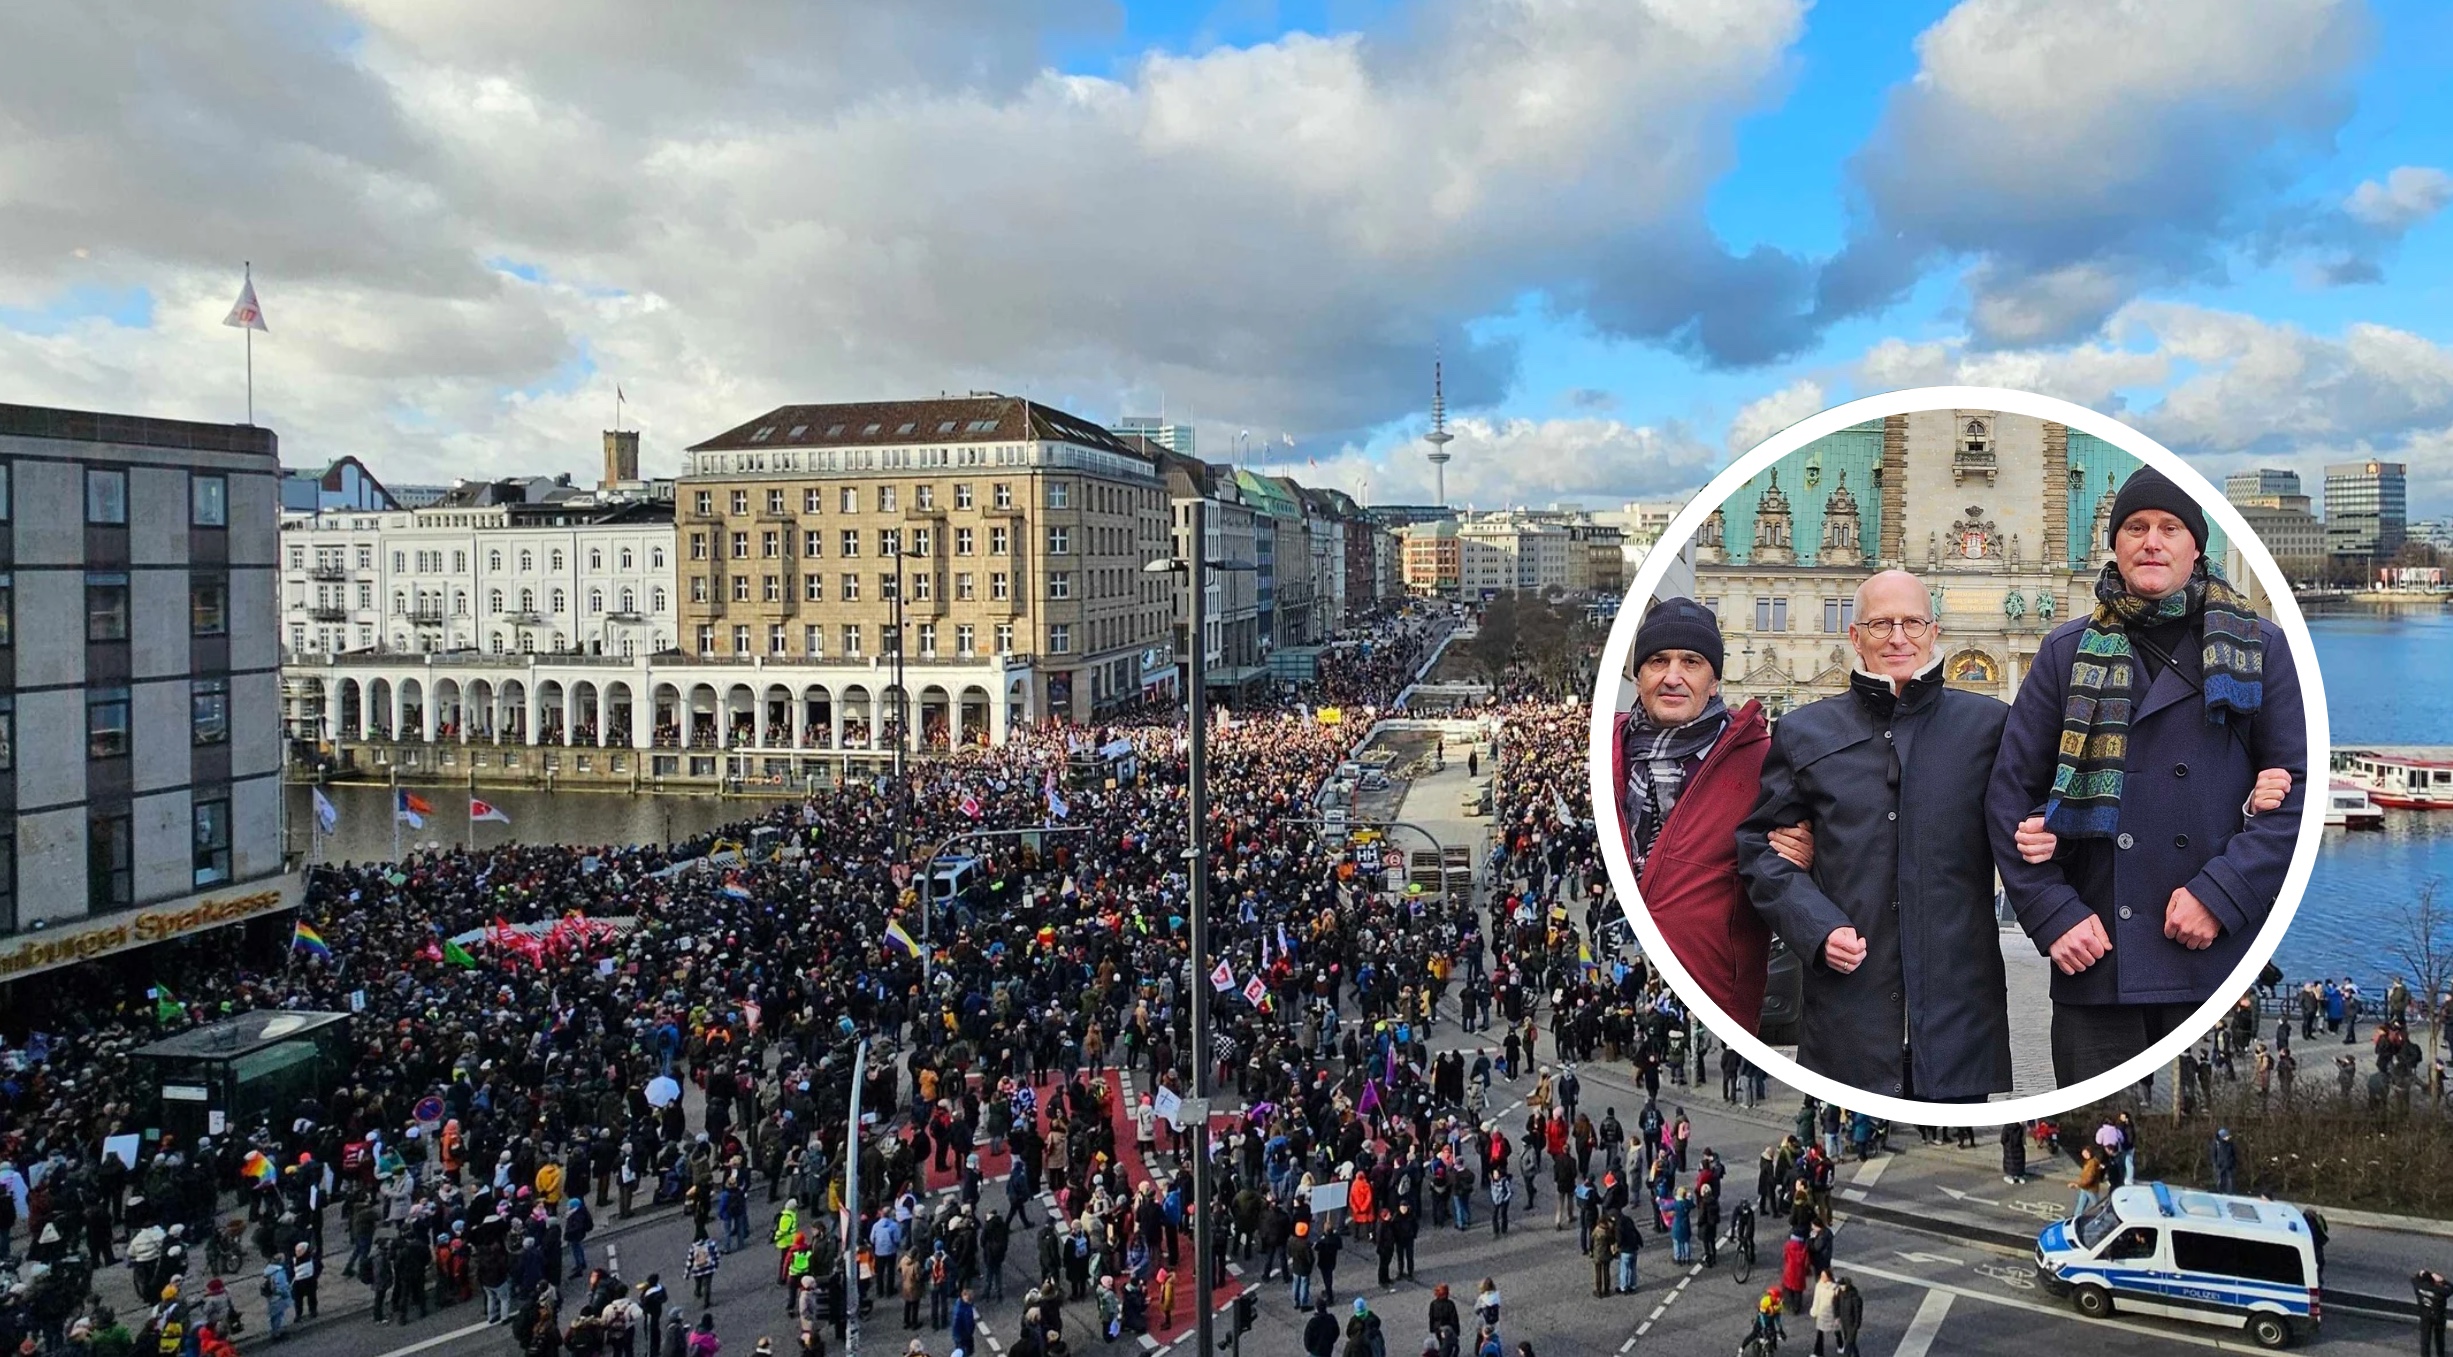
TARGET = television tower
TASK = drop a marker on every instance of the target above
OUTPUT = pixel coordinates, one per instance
(1439, 438)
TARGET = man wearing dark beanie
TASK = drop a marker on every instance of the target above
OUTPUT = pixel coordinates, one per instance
(1687, 770)
(2136, 836)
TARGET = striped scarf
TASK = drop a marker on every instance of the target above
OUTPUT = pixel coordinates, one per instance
(1656, 769)
(2095, 715)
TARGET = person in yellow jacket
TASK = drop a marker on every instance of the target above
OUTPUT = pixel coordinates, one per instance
(787, 1221)
(549, 1184)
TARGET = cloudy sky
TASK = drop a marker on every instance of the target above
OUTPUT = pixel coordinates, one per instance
(1643, 233)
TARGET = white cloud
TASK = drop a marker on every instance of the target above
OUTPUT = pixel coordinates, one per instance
(844, 201)
(2092, 374)
(2409, 195)
(1530, 462)
(2082, 150)
(1761, 418)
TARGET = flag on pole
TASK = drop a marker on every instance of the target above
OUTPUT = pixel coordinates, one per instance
(457, 955)
(1256, 993)
(1057, 805)
(326, 814)
(900, 938)
(1223, 978)
(165, 1008)
(245, 314)
(485, 810)
(732, 887)
(304, 938)
(411, 808)
(971, 807)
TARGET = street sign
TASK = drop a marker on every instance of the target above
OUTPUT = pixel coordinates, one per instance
(1393, 860)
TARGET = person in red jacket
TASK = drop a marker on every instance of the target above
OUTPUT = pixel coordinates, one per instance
(1688, 770)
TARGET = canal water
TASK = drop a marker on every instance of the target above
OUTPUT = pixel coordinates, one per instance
(2389, 680)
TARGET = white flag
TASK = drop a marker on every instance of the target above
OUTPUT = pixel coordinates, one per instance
(482, 810)
(325, 813)
(244, 313)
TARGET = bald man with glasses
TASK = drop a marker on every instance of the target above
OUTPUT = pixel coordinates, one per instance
(1893, 918)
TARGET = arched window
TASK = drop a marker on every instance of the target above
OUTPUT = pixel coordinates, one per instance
(561, 600)
(528, 561)
(655, 558)
(557, 560)
(459, 603)
(497, 643)
(400, 602)
(528, 600)
(626, 558)
(494, 603)
(494, 561)
(658, 596)
(596, 560)
(596, 600)
(630, 601)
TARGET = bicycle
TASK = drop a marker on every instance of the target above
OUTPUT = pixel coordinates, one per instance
(223, 1252)
(1741, 1243)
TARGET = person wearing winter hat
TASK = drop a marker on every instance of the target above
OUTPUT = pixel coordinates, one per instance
(1905, 991)
(1687, 770)
(2147, 799)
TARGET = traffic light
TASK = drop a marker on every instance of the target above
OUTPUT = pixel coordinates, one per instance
(1247, 1309)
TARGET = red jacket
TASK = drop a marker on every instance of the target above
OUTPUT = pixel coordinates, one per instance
(1691, 883)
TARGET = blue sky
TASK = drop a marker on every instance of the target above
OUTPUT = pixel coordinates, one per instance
(1643, 234)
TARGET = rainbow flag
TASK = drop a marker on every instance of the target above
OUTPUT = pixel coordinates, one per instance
(304, 938)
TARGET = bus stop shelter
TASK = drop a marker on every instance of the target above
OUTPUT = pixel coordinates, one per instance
(224, 1076)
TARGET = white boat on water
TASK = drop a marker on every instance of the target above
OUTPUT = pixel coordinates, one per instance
(2348, 806)
(2397, 779)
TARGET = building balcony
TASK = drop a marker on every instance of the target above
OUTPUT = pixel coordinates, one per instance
(524, 617)
(321, 613)
(327, 572)
(426, 615)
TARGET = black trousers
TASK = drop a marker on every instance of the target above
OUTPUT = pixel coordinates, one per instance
(1907, 1083)
(2089, 1039)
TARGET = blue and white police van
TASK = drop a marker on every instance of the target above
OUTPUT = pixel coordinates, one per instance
(2153, 1249)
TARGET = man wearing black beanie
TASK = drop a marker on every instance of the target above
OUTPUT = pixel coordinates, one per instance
(1686, 769)
(2135, 834)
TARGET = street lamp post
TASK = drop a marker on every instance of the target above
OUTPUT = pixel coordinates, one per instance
(902, 714)
(1193, 563)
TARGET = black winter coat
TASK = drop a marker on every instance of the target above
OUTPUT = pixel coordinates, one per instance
(1901, 854)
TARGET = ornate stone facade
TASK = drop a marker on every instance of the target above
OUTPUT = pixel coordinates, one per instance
(2002, 515)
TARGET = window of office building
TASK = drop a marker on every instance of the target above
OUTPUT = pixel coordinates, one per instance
(962, 541)
(928, 640)
(775, 501)
(998, 587)
(106, 723)
(850, 544)
(813, 501)
(110, 862)
(212, 842)
(740, 501)
(1005, 638)
(208, 603)
(1060, 541)
(773, 588)
(106, 496)
(775, 639)
(1060, 494)
(813, 588)
(1000, 541)
(851, 638)
(770, 544)
(925, 496)
(964, 638)
(848, 499)
(740, 546)
(1060, 639)
(741, 639)
(209, 710)
(106, 606)
(740, 588)
(962, 495)
(706, 639)
(1060, 584)
(813, 640)
(209, 501)
(962, 586)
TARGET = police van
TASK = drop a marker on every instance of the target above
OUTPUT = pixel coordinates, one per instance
(2154, 1249)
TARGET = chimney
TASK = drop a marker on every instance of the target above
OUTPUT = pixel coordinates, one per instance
(621, 457)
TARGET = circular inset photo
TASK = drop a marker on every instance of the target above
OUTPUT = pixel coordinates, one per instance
(1951, 754)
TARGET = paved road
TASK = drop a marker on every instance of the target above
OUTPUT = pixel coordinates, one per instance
(1925, 1291)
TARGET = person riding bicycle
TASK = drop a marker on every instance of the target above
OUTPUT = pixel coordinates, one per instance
(1763, 1339)
(1742, 1230)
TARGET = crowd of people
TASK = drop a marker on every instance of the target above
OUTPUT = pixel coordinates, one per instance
(504, 1099)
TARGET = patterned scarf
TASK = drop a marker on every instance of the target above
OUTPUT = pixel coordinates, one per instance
(2095, 716)
(1656, 768)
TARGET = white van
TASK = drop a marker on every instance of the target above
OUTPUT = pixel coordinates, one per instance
(2157, 1250)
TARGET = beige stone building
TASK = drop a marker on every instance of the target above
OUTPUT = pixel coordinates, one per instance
(2003, 516)
(1011, 534)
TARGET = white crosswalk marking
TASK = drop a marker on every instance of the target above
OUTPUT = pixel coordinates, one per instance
(1918, 1340)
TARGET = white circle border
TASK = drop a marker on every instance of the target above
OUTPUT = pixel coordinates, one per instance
(2283, 611)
